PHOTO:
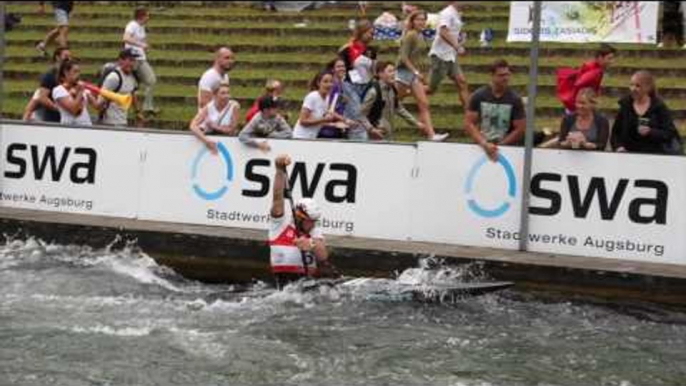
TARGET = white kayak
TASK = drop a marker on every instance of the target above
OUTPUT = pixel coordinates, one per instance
(392, 290)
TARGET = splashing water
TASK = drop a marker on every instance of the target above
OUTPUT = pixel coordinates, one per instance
(71, 315)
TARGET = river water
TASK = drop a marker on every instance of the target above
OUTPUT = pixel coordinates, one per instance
(71, 315)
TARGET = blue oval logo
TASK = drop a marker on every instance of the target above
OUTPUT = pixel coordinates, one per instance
(500, 210)
(226, 156)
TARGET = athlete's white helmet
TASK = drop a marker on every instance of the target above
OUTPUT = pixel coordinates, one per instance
(310, 208)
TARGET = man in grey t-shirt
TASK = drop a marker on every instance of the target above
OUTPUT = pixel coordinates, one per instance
(495, 115)
(121, 80)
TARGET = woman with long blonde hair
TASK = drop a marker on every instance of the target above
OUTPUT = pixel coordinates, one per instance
(220, 116)
(586, 128)
(644, 122)
(358, 56)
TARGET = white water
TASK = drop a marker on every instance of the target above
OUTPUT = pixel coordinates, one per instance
(70, 315)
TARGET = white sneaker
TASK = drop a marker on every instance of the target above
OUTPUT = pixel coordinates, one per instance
(661, 45)
(440, 137)
(40, 47)
(684, 47)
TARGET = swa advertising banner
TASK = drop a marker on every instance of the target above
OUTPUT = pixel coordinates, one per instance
(94, 172)
(580, 203)
(586, 21)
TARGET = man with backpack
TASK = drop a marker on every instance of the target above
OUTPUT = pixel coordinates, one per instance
(118, 78)
(380, 104)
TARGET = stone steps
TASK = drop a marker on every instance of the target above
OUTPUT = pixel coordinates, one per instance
(269, 44)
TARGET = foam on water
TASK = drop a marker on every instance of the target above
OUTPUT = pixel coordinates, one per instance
(199, 344)
(15, 252)
(107, 330)
(434, 271)
(66, 311)
(134, 264)
(128, 262)
(142, 269)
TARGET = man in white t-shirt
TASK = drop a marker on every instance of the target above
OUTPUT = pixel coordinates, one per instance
(444, 51)
(136, 39)
(224, 60)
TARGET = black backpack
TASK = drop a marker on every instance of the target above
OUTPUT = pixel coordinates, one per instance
(344, 54)
(105, 71)
(376, 111)
(110, 67)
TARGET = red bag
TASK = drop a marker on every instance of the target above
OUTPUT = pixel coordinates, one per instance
(566, 89)
(254, 109)
(571, 80)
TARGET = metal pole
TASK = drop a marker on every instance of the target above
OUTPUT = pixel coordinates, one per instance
(2, 54)
(2, 66)
(530, 126)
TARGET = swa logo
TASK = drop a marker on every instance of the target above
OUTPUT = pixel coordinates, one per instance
(473, 202)
(337, 180)
(227, 176)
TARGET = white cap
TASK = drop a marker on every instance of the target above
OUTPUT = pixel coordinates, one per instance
(310, 208)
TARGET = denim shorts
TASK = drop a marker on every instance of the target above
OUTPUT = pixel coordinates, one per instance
(405, 76)
(61, 17)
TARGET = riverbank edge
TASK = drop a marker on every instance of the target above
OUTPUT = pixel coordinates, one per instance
(219, 254)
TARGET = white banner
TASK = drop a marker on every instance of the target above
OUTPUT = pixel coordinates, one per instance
(363, 188)
(582, 203)
(70, 170)
(587, 204)
(459, 194)
(586, 21)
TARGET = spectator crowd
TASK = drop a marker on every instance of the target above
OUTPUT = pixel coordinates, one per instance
(356, 96)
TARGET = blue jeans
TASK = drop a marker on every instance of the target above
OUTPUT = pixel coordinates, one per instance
(353, 97)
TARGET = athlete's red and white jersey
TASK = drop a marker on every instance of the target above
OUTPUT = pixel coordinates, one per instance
(284, 254)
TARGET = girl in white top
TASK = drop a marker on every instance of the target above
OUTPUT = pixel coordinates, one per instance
(315, 111)
(219, 116)
(71, 98)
